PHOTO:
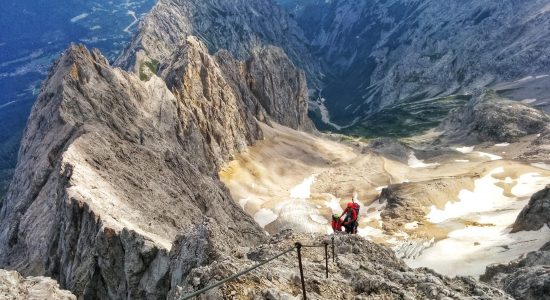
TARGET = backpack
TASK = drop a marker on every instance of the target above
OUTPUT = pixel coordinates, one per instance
(356, 207)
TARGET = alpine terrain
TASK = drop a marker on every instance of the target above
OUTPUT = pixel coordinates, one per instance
(212, 152)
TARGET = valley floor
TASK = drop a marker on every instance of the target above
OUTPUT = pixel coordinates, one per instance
(458, 205)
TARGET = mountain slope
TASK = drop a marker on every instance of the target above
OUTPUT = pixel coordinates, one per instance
(377, 53)
(113, 168)
(238, 26)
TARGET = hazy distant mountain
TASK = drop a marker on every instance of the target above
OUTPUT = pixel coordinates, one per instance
(378, 54)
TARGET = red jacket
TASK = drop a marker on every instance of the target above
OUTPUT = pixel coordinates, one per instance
(336, 225)
(349, 213)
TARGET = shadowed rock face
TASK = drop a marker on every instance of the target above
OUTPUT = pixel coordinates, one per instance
(536, 214)
(284, 92)
(492, 118)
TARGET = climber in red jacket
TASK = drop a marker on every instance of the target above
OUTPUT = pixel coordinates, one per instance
(336, 223)
(350, 217)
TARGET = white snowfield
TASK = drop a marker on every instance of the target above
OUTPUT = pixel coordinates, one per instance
(415, 163)
(475, 247)
(303, 190)
(468, 251)
(296, 180)
(486, 197)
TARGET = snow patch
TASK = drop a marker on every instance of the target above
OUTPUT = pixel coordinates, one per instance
(465, 150)
(489, 155)
(415, 163)
(334, 205)
(411, 226)
(368, 232)
(318, 219)
(474, 248)
(502, 145)
(303, 190)
(528, 101)
(264, 217)
(487, 196)
(528, 184)
(541, 165)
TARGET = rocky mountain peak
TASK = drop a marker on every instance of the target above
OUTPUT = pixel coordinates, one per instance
(101, 184)
(238, 26)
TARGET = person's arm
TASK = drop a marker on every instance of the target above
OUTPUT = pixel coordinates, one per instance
(343, 215)
(346, 220)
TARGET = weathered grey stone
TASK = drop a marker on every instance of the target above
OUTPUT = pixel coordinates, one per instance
(363, 270)
(14, 287)
(238, 26)
(527, 277)
(106, 182)
(536, 214)
(490, 117)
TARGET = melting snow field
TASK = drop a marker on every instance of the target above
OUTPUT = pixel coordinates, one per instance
(469, 250)
(489, 156)
(265, 216)
(303, 190)
(415, 163)
(274, 181)
(295, 211)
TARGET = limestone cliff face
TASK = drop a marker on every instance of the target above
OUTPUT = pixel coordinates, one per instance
(267, 86)
(238, 26)
(208, 102)
(111, 170)
(283, 93)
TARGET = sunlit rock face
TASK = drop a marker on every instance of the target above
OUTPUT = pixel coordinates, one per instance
(133, 164)
(14, 286)
(238, 26)
(104, 182)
